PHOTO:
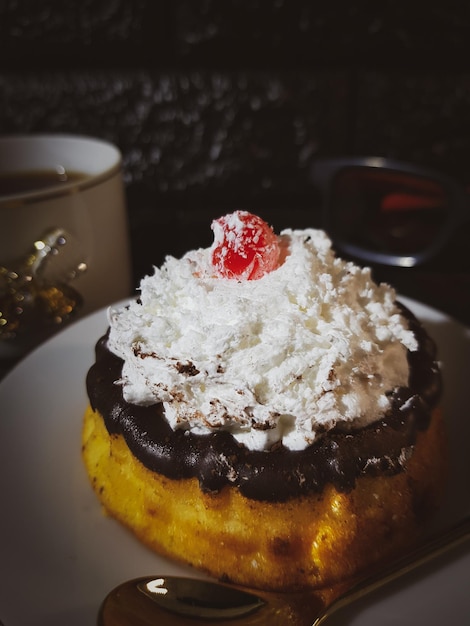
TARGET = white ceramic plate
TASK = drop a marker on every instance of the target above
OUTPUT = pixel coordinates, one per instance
(59, 555)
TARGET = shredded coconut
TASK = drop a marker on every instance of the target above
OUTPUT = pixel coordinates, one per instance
(309, 345)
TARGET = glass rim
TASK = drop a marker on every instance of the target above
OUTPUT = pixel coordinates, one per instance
(323, 173)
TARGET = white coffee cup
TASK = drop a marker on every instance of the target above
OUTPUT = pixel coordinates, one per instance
(87, 214)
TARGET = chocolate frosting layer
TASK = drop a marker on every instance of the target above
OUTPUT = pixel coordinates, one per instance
(337, 456)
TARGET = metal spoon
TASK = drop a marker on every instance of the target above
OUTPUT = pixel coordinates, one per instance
(177, 601)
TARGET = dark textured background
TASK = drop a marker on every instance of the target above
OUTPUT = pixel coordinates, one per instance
(218, 105)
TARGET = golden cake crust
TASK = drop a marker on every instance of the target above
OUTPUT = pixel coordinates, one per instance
(311, 540)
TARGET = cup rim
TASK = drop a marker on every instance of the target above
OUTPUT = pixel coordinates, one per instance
(64, 189)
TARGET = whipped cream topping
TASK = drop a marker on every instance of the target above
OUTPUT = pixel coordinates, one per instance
(309, 346)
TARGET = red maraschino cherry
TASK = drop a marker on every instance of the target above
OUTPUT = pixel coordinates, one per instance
(244, 247)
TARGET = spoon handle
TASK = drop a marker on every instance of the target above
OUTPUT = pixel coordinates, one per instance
(424, 553)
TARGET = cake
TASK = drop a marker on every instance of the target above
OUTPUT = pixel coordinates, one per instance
(266, 412)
